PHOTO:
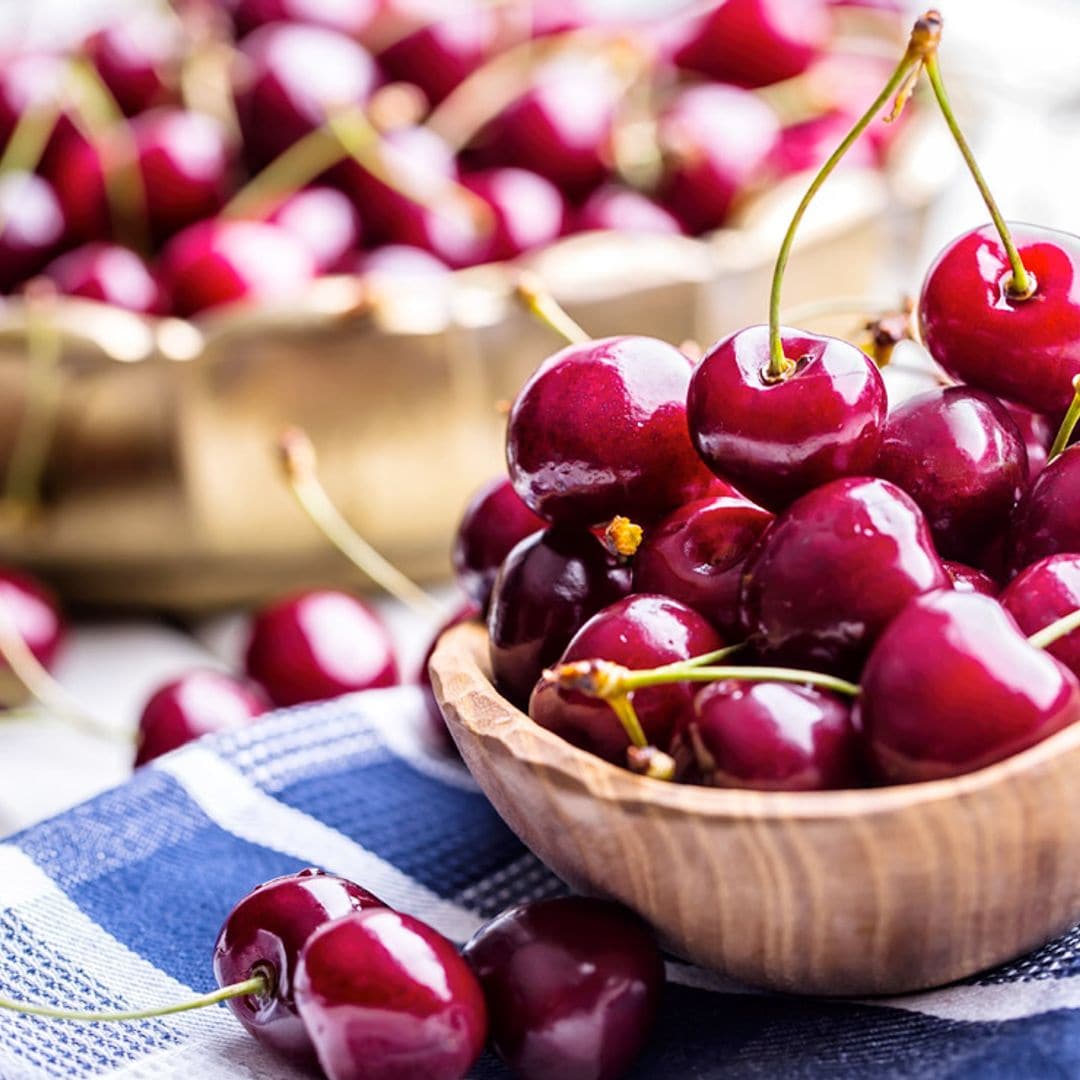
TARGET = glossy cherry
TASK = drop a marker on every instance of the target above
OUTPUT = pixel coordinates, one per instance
(32, 81)
(600, 429)
(959, 454)
(807, 145)
(716, 141)
(953, 685)
(196, 704)
(529, 212)
(833, 570)
(32, 226)
(219, 262)
(573, 987)
(109, 273)
(1045, 591)
(1025, 350)
(549, 584)
(639, 631)
(266, 932)
(1038, 434)
(966, 578)
(627, 211)
(385, 997)
(1047, 520)
(36, 618)
(778, 439)
(317, 645)
(138, 59)
(351, 17)
(697, 555)
(400, 262)
(325, 221)
(771, 736)
(494, 521)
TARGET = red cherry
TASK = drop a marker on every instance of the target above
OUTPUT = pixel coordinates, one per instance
(31, 226)
(967, 579)
(494, 521)
(529, 212)
(401, 262)
(1047, 521)
(697, 555)
(1038, 434)
(627, 211)
(808, 144)
(220, 262)
(319, 645)
(772, 736)
(266, 932)
(35, 616)
(639, 632)
(385, 997)
(325, 222)
(1024, 350)
(1044, 592)
(28, 82)
(952, 685)
(573, 987)
(779, 439)
(196, 704)
(109, 273)
(600, 430)
(833, 570)
(351, 17)
(138, 59)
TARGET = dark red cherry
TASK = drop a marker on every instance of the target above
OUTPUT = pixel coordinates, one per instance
(777, 440)
(466, 612)
(35, 616)
(266, 932)
(573, 987)
(833, 570)
(625, 210)
(1044, 592)
(494, 521)
(966, 578)
(807, 144)
(31, 226)
(959, 454)
(756, 42)
(772, 736)
(198, 703)
(138, 59)
(317, 645)
(1024, 350)
(325, 221)
(716, 142)
(351, 17)
(1047, 520)
(549, 584)
(600, 429)
(219, 262)
(289, 77)
(639, 631)
(32, 81)
(1038, 434)
(109, 273)
(385, 997)
(697, 554)
(529, 212)
(953, 685)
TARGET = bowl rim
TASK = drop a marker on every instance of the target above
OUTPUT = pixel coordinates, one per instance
(462, 651)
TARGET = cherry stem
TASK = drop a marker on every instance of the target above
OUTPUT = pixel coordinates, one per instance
(258, 985)
(1056, 630)
(921, 45)
(1021, 284)
(28, 140)
(1068, 424)
(299, 464)
(536, 298)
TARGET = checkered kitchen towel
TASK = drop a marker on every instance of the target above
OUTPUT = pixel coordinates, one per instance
(116, 904)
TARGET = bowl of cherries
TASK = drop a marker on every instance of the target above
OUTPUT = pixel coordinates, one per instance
(789, 669)
(242, 215)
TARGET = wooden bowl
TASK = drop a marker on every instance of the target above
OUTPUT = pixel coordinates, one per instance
(880, 891)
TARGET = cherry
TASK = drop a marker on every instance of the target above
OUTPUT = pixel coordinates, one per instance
(716, 141)
(959, 454)
(1037, 433)
(400, 261)
(808, 143)
(291, 77)
(756, 42)
(1047, 520)
(640, 631)
(1044, 592)
(34, 616)
(266, 932)
(195, 704)
(833, 570)
(33, 82)
(31, 226)
(218, 262)
(697, 554)
(772, 736)
(573, 987)
(966, 578)
(627, 211)
(325, 221)
(600, 429)
(387, 998)
(549, 584)
(529, 212)
(466, 612)
(494, 521)
(138, 59)
(351, 17)
(109, 273)
(778, 438)
(317, 645)
(952, 685)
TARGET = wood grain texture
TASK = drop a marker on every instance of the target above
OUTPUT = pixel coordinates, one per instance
(881, 891)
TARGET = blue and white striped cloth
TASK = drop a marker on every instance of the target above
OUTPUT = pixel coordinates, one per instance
(116, 904)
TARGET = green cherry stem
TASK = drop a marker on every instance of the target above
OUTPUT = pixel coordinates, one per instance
(1056, 630)
(258, 985)
(535, 297)
(920, 49)
(675, 673)
(1068, 424)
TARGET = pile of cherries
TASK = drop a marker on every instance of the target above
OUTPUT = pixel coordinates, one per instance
(233, 150)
